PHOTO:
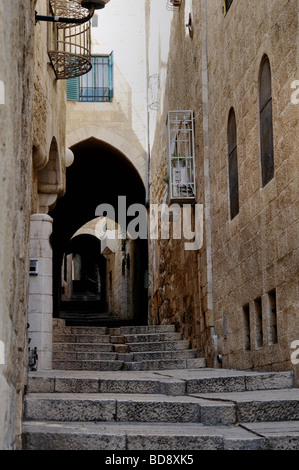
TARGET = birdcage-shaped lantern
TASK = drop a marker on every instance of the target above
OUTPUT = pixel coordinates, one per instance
(69, 45)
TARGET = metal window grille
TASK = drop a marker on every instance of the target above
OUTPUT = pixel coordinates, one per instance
(97, 85)
(181, 155)
(69, 44)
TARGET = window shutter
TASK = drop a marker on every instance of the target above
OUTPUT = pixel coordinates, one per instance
(111, 76)
(73, 89)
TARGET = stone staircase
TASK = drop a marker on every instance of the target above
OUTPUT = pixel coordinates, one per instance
(134, 403)
(123, 348)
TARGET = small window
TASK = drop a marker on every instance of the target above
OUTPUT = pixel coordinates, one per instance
(272, 317)
(246, 328)
(258, 323)
(96, 85)
(233, 164)
(266, 122)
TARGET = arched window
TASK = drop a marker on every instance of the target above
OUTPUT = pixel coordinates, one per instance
(233, 164)
(266, 122)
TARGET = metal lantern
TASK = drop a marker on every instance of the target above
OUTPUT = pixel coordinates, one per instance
(69, 43)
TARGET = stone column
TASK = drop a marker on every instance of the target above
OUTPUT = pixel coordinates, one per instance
(40, 289)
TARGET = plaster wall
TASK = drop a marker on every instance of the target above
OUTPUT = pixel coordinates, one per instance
(123, 122)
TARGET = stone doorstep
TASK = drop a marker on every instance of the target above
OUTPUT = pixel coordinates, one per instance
(135, 436)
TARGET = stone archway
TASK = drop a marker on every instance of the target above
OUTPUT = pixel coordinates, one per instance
(101, 174)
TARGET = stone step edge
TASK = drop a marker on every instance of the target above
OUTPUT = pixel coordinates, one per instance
(157, 408)
(122, 339)
(130, 356)
(89, 383)
(184, 344)
(140, 436)
(118, 331)
(129, 366)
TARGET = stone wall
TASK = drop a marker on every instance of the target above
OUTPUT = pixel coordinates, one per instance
(32, 154)
(16, 56)
(257, 251)
(247, 258)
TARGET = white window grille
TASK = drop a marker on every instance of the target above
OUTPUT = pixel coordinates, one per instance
(181, 155)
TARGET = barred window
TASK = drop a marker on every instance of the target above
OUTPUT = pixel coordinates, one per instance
(266, 122)
(96, 85)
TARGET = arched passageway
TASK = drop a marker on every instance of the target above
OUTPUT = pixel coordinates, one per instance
(99, 175)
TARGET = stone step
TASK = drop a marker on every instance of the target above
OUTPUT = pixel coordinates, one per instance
(100, 365)
(82, 338)
(158, 346)
(257, 406)
(118, 364)
(82, 347)
(151, 337)
(168, 410)
(126, 357)
(174, 382)
(132, 330)
(43, 435)
(169, 364)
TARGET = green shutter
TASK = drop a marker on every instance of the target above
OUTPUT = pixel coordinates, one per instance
(73, 88)
(111, 76)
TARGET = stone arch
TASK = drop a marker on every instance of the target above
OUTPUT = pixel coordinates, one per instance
(100, 174)
(134, 153)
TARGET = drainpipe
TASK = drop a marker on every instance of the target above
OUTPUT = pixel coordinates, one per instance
(147, 167)
(207, 189)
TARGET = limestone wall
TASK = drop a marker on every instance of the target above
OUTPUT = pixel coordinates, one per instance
(257, 251)
(32, 152)
(177, 60)
(17, 72)
(49, 109)
(247, 258)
